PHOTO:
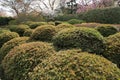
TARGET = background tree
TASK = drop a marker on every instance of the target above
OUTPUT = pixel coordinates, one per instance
(85, 5)
(72, 6)
(17, 6)
(2, 13)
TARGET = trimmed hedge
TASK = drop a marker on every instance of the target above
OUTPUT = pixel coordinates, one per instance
(71, 65)
(20, 29)
(107, 30)
(112, 51)
(34, 25)
(28, 32)
(22, 59)
(43, 33)
(87, 39)
(75, 21)
(63, 26)
(4, 30)
(4, 37)
(108, 15)
(11, 44)
(51, 23)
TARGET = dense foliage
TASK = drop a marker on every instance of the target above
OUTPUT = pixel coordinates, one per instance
(75, 21)
(4, 37)
(22, 59)
(63, 26)
(86, 39)
(75, 65)
(5, 20)
(11, 44)
(4, 30)
(112, 51)
(28, 32)
(107, 30)
(33, 25)
(60, 40)
(20, 29)
(107, 15)
(43, 33)
(57, 23)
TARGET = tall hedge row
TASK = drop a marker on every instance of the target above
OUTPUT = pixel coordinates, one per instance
(107, 15)
(66, 17)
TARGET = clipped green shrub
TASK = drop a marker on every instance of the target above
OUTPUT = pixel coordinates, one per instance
(22, 59)
(4, 30)
(57, 23)
(20, 29)
(13, 22)
(63, 26)
(7, 47)
(75, 21)
(27, 22)
(107, 15)
(51, 23)
(87, 39)
(43, 33)
(4, 37)
(28, 32)
(33, 25)
(107, 30)
(69, 65)
(112, 51)
(11, 44)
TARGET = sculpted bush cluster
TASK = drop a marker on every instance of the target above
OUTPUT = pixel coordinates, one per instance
(65, 53)
(20, 29)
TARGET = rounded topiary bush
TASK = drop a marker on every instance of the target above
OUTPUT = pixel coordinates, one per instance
(68, 65)
(107, 30)
(33, 25)
(4, 30)
(11, 44)
(4, 37)
(20, 29)
(22, 59)
(112, 51)
(28, 32)
(87, 39)
(63, 26)
(43, 33)
(51, 23)
(75, 21)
